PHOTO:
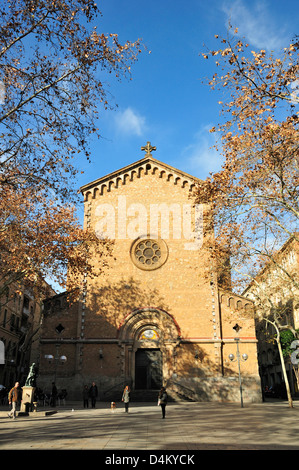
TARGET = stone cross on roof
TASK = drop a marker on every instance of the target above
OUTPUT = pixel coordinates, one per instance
(148, 148)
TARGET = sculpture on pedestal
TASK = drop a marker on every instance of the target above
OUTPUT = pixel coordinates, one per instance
(31, 378)
(28, 391)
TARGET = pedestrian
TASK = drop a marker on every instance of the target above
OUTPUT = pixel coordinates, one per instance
(162, 400)
(13, 400)
(93, 393)
(126, 398)
(54, 394)
(85, 396)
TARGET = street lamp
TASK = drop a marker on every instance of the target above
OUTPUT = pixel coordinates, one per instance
(57, 359)
(49, 357)
(238, 359)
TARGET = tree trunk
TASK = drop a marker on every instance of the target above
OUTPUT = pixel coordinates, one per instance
(286, 380)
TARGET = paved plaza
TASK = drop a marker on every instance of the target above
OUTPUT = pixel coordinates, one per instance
(187, 427)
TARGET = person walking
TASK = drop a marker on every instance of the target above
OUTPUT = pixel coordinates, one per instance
(162, 400)
(54, 394)
(126, 398)
(93, 393)
(85, 396)
(13, 399)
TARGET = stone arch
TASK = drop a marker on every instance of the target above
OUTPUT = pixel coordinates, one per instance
(87, 196)
(140, 171)
(111, 184)
(95, 192)
(142, 317)
(103, 189)
(126, 178)
(133, 175)
(164, 343)
(118, 182)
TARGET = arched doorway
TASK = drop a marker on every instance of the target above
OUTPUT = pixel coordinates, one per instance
(148, 369)
(148, 338)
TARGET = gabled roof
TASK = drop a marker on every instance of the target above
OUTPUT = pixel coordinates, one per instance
(137, 169)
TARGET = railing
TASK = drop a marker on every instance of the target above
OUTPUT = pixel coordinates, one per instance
(185, 391)
(114, 387)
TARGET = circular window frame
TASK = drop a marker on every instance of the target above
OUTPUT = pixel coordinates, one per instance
(162, 248)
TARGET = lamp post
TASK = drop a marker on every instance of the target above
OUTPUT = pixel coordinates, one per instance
(239, 359)
(57, 359)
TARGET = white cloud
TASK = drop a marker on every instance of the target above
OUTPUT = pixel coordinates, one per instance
(255, 21)
(201, 157)
(130, 122)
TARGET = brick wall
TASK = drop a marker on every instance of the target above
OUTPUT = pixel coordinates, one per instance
(180, 299)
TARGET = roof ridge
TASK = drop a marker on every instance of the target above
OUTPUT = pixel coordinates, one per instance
(143, 161)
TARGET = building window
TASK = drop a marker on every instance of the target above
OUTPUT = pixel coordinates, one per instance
(148, 253)
(59, 328)
(26, 305)
(12, 322)
(148, 334)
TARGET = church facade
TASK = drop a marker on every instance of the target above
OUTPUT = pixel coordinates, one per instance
(157, 315)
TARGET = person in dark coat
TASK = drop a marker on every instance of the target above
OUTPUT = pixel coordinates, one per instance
(162, 400)
(54, 394)
(85, 396)
(93, 393)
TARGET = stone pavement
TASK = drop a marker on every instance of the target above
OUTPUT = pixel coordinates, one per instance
(188, 427)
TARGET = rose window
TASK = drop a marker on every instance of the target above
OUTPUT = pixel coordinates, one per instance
(148, 253)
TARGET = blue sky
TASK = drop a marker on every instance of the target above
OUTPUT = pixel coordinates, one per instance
(167, 101)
